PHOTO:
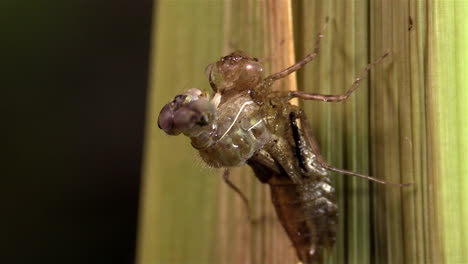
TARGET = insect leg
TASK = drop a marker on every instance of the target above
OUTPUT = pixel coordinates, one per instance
(238, 191)
(340, 97)
(321, 160)
(311, 56)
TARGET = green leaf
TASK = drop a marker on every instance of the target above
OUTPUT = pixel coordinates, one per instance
(407, 122)
(179, 196)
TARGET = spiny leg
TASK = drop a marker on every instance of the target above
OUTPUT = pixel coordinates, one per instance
(340, 97)
(311, 56)
(238, 191)
(307, 134)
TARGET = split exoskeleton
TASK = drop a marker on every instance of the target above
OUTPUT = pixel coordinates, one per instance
(245, 122)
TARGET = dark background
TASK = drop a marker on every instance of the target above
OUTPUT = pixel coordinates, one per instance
(74, 78)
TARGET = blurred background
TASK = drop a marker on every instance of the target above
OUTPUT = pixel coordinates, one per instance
(74, 81)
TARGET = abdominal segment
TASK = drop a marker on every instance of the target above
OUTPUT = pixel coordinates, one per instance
(308, 213)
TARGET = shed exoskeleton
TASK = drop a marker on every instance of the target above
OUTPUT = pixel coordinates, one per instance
(245, 122)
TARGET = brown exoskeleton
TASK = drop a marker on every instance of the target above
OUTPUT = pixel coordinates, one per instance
(246, 123)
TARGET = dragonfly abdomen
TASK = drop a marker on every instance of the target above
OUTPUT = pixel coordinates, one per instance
(309, 214)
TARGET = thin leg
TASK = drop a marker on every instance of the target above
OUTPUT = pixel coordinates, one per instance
(238, 191)
(340, 97)
(299, 64)
(314, 146)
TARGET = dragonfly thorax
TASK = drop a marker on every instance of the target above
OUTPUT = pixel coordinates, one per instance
(241, 131)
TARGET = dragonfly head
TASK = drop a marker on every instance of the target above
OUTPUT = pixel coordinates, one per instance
(188, 111)
(234, 73)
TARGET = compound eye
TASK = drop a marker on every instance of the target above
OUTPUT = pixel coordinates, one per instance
(185, 118)
(208, 69)
(214, 77)
(166, 119)
(252, 73)
(253, 67)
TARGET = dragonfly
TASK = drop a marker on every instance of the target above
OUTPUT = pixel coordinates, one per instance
(246, 122)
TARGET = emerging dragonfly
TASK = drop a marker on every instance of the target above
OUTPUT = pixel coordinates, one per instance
(245, 122)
